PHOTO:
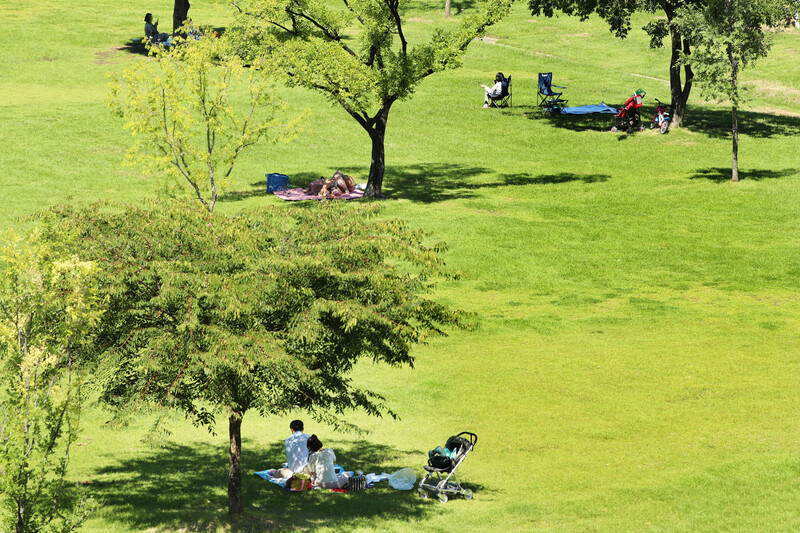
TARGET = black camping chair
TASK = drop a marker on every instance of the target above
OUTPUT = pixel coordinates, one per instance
(548, 98)
(504, 98)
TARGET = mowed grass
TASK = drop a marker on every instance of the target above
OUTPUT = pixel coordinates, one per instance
(637, 365)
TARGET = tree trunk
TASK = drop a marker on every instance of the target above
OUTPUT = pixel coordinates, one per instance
(734, 118)
(735, 162)
(235, 505)
(679, 95)
(447, 8)
(377, 166)
(179, 14)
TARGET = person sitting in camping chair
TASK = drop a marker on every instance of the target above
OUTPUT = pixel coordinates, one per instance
(494, 91)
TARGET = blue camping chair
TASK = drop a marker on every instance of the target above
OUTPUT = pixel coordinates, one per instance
(504, 98)
(549, 99)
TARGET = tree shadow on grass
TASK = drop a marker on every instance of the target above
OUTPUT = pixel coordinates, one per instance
(430, 183)
(184, 487)
(716, 123)
(136, 45)
(723, 174)
(438, 182)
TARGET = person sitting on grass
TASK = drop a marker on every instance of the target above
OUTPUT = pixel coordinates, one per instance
(321, 466)
(296, 450)
(493, 91)
(151, 30)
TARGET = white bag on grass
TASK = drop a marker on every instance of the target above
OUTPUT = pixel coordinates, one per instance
(403, 479)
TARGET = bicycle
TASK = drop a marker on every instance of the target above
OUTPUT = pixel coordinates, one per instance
(661, 117)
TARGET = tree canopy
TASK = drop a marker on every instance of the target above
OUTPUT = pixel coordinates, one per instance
(357, 54)
(192, 109)
(264, 311)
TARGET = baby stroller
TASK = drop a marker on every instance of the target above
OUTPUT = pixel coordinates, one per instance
(628, 116)
(441, 477)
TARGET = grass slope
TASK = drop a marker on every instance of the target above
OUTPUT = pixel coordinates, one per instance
(637, 364)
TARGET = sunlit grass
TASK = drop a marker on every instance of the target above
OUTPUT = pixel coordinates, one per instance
(636, 368)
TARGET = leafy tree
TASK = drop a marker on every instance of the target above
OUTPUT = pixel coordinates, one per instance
(730, 35)
(618, 15)
(265, 311)
(357, 55)
(47, 307)
(192, 110)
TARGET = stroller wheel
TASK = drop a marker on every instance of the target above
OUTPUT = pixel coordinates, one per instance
(443, 497)
(423, 493)
(467, 494)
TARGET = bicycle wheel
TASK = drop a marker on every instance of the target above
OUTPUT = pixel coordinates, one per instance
(664, 126)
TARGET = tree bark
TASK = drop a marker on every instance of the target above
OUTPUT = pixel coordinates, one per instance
(179, 14)
(735, 161)
(377, 166)
(447, 8)
(235, 505)
(679, 94)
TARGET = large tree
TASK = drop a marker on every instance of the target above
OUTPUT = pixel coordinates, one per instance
(730, 36)
(357, 54)
(618, 15)
(265, 311)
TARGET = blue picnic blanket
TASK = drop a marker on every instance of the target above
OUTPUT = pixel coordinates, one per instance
(589, 109)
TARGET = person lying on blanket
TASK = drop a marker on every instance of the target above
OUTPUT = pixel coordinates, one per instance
(321, 466)
(328, 188)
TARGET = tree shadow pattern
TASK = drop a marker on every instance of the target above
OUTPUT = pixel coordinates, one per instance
(184, 487)
(713, 122)
(431, 182)
(136, 45)
(723, 174)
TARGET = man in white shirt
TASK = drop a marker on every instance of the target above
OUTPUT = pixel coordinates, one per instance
(296, 449)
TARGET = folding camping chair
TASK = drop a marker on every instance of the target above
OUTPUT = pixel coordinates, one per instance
(504, 98)
(549, 99)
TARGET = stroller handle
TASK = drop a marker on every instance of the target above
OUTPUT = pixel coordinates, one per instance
(473, 438)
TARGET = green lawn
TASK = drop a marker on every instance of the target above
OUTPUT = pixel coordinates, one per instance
(637, 366)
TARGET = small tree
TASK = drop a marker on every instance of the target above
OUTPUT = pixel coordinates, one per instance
(47, 307)
(357, 55)
(730, 35)
(265, 311)
(192, 110)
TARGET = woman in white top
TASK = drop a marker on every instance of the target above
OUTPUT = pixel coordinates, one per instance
(320, 466)
(493, 91)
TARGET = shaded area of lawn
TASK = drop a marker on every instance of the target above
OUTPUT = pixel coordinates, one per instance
(431, 182)
(184, 486)
(716, 122)
(722, 174)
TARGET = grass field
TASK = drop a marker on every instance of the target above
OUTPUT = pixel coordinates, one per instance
(637, 366)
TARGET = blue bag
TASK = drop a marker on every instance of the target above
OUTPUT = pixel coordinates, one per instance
(277, 182)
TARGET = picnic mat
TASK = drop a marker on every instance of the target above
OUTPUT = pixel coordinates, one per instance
(270, 475)
(294, 195)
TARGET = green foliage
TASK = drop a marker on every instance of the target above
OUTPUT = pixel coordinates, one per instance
(48, 305)
(267, 310)
(192, 109)
(730, 35)
(310, 42)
